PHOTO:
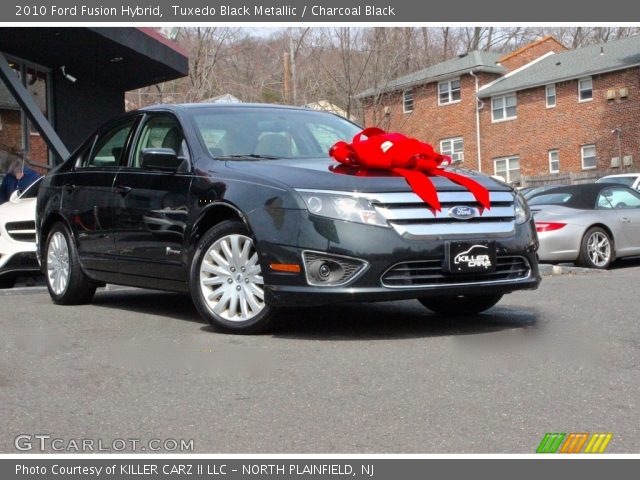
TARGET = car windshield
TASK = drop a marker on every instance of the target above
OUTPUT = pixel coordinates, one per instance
(628, 181)
(270, 133)
(550, 199)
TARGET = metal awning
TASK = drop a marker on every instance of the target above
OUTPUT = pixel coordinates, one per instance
(117, 58)
(126, 58)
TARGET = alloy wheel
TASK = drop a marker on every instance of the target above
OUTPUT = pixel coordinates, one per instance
(599, 249)
(58, 263)
(231, 278)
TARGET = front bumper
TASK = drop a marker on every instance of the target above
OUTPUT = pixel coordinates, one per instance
(19, 263)
(381, 248)
(16, 256)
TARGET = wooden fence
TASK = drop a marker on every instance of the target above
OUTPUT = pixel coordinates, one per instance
(572, 178)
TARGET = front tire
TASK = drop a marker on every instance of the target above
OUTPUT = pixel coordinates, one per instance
(226, 284)
(460, 304)
(66, 282)
(596, 249)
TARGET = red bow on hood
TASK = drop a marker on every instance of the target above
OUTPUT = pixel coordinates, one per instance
(412, 159)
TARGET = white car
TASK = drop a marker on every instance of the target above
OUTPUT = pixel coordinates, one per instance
(18, 236)
(631, 180)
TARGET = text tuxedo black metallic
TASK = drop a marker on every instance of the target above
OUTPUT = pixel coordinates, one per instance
(237, 205)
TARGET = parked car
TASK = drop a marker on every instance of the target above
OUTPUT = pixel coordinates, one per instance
(18, 236)
(238, 205)
(631, 180)
(529, 192)
(590, 224)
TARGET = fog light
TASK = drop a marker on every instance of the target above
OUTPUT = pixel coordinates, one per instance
(324, 270)
(331, 270)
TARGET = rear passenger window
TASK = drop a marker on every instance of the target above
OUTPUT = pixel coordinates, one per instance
(110, 147)
(621, 199)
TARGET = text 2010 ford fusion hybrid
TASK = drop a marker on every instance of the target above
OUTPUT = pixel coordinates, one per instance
(238, 205)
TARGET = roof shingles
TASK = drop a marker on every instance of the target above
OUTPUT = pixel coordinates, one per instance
(572, 64)
(477, 61)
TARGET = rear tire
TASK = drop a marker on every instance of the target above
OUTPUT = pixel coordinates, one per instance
(226, 280)
(8, 282)
(460, 304)
(66, 282)
(596, 249)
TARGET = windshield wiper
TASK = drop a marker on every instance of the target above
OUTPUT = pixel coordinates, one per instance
(248, 156)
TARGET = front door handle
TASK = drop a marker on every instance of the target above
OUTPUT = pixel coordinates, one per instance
(625, 220)
(69, 187)
(122, 189)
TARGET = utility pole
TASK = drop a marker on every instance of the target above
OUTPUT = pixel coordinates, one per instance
(288, 98)
(292, 63)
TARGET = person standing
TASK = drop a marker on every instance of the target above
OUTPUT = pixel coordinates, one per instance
(18, 177)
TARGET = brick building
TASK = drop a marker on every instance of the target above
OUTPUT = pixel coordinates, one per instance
(541, 110)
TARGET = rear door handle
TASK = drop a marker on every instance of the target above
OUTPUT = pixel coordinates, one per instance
(122, 189)
(625, 220)
(69, 187)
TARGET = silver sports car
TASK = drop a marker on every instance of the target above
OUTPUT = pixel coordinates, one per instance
(590, 224)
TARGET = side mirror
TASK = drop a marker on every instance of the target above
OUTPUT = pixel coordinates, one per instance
(15, 196)
(163, 159)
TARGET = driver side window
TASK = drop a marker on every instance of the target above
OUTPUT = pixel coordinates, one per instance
(160, 131)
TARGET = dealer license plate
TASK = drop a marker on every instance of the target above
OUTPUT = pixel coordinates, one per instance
(471, 257)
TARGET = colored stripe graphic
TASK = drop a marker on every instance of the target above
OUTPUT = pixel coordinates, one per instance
(574, 443)
(598, 443)
(550, 442)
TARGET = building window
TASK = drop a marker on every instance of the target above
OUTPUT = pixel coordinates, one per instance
(407, 101)
(550, 93)
(507, 168)
(554, 161)
(588, 157)
(449, 91)
(503, 108)
(454, 148)
(585, 89)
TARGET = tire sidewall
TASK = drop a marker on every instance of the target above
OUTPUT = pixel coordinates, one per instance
(258, 323)
(80, 289)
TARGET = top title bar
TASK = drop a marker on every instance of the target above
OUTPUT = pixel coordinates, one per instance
(296, 11)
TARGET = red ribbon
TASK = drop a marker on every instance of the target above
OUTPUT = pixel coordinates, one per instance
(410, 158)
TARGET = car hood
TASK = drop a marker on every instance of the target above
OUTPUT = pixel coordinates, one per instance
(22, 211)
(318, 174)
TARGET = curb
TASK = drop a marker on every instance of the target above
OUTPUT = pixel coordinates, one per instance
(547, 270)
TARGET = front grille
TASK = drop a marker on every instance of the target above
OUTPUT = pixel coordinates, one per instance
(425, 273)
(22, 231)
(413, 219)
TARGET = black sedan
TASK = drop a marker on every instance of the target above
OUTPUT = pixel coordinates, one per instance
(239, 205)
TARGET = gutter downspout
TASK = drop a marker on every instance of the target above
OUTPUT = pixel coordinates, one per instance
(477, 101)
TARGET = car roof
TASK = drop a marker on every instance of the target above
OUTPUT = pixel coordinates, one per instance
(617, 175)
(583, 196)
(196, 106)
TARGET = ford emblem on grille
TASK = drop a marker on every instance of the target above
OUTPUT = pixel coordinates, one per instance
(462, 212)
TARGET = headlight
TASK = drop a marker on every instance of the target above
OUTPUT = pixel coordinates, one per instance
(342, 206)
(522, 209)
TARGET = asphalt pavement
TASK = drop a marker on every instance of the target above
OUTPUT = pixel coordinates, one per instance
(369, 378)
